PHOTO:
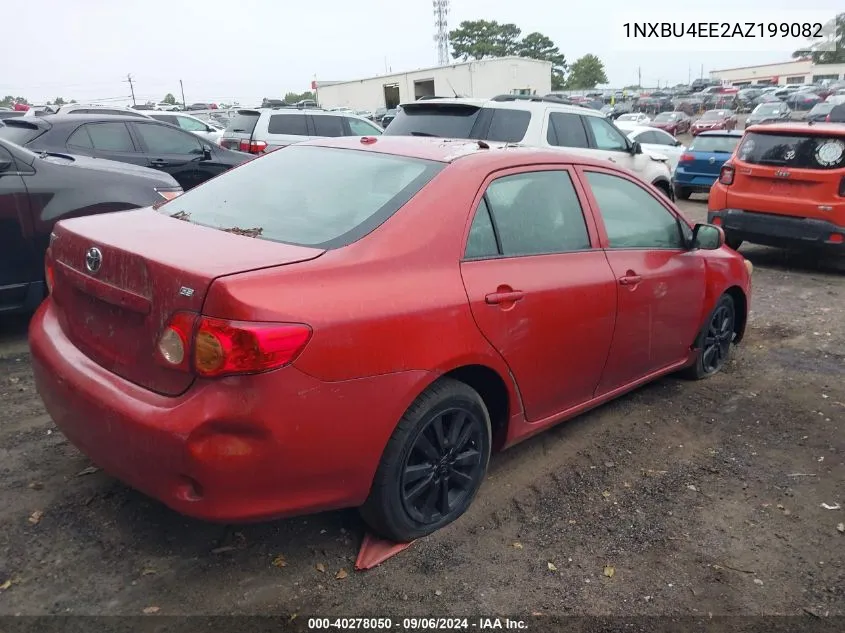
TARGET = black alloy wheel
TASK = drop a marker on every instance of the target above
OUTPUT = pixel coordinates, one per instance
(433, 464)
(443, 465)
(714, 340)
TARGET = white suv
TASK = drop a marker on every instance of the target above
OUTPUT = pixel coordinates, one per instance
(536, 121)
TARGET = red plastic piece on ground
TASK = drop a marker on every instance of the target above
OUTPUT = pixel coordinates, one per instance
(374, 551)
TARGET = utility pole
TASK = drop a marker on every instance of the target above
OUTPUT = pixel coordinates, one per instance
(639, 76)
(131, 87)
(182, 88)
(689, 75)
(702, 71)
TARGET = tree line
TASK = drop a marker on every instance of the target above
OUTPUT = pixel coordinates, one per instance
(479, 39)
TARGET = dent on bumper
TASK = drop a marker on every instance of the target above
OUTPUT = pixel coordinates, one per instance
(237, 449)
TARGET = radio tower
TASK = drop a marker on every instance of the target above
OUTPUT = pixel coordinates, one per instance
(441, 36)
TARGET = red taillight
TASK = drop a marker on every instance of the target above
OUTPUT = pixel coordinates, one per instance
(836, 238)
(726, 175)
(252, 147)
(49, 272)
(169, 194)
(717, 221)
(686, 158)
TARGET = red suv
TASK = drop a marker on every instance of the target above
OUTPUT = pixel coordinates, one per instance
(784, 185)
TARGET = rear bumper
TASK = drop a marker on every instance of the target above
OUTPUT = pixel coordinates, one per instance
(777, 230)
(696, 183)
(239, 449)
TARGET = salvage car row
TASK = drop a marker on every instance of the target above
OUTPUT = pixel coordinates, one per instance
(186, 322)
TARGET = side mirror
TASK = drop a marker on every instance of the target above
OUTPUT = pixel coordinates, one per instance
(708, 237)
(636, 148)
(206, 152)
(677, 143)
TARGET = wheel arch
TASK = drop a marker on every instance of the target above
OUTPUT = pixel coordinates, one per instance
(741, 316)
(665, 186)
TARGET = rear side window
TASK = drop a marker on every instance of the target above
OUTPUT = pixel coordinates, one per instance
(328, 125)
(167, 118)
(328, 198)
(19, 132)
(798, 151)
(243, 122)
(566, 130)
(508, 126)
(108, 137)
(444, 120)
(293, 124)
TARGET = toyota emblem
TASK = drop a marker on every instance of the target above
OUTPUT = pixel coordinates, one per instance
(93, 259)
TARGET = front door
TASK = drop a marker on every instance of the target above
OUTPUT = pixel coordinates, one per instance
(660, 283)
(539, 291)
(19, 261)
(176, 152)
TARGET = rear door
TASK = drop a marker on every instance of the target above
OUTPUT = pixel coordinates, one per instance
(540, 292)
(110, 140)
(283, 128)
(660, 284)
(791, 174)
(173, 151)
(19, 261)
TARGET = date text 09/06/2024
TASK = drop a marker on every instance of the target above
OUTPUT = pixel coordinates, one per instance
(717, 30)
(416, 624)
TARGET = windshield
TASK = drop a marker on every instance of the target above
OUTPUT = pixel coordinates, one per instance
(798, 151)
(713, 115)
(719, 144)
(328, 197)
(628, 117)
(666, 117)
(768, 108)
(821, 108)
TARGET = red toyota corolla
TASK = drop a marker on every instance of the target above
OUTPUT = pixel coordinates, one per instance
(360, 321)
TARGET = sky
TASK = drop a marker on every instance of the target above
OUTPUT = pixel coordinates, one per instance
(244, 50)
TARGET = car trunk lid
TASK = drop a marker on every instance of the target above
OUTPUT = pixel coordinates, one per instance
(150, 266)
(783, 172)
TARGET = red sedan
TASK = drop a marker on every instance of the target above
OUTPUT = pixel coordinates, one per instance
(672, 122)
(714, 120)
(360, 321)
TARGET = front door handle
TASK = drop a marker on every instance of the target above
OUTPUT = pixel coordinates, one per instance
(504, 297)
(611, 159)
(158, 162)
(630, 280)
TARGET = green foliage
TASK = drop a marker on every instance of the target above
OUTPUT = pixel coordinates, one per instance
(538, 46)
(293, 97)
(8, 101)
(477, 39)
(833, 30)
(586, 72)
(169, 99)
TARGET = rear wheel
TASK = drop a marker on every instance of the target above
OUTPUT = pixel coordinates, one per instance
(666, 189)
(733, 241)
(433, 464)
(714, 340)
(682, 193)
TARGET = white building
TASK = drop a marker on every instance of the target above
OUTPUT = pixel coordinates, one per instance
(483, 78)
(798, 71)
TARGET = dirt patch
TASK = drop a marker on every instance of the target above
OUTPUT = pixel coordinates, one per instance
(703, 497)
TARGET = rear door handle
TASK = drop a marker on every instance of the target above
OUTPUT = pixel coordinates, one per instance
(158, 162)
(504, 297)
(630, 280)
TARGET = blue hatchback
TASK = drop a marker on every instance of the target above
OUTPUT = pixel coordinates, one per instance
(698, 168)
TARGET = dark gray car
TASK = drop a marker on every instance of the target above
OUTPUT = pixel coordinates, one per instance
(769, 113)
(38, 190)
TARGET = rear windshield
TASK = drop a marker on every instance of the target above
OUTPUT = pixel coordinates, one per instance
(243, 122)
(720, 144)
(667, 116)
(713, 115)
(328, 197)
(798, 151)
(769, 108)
(20, 132)
(460, 121)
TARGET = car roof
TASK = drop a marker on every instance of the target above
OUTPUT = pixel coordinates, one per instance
(722, 133)
(517, 103)
(446, 150)
(53, 119)
(795, 127)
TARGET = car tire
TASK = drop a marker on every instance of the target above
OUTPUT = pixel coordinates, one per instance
(714, 341)
(682, 193)
(733, 241)
(665, 189)
(442, 441)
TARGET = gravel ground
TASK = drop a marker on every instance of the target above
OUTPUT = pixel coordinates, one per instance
(680, 498)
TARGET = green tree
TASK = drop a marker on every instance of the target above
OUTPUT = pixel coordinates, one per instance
(169, 99)
(477, 39)
(586, 72)
(833, 32)
(59, 101)
(8, 101)
(293, 97)
(538, 46)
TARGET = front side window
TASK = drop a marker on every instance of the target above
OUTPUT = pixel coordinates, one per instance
(328, 125)
(607, 137)
(191, 125)
(159, 139)
(633, 218)
(362, 128)
(537, 213)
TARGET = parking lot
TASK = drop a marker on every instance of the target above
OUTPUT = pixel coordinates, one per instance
(681, 498)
